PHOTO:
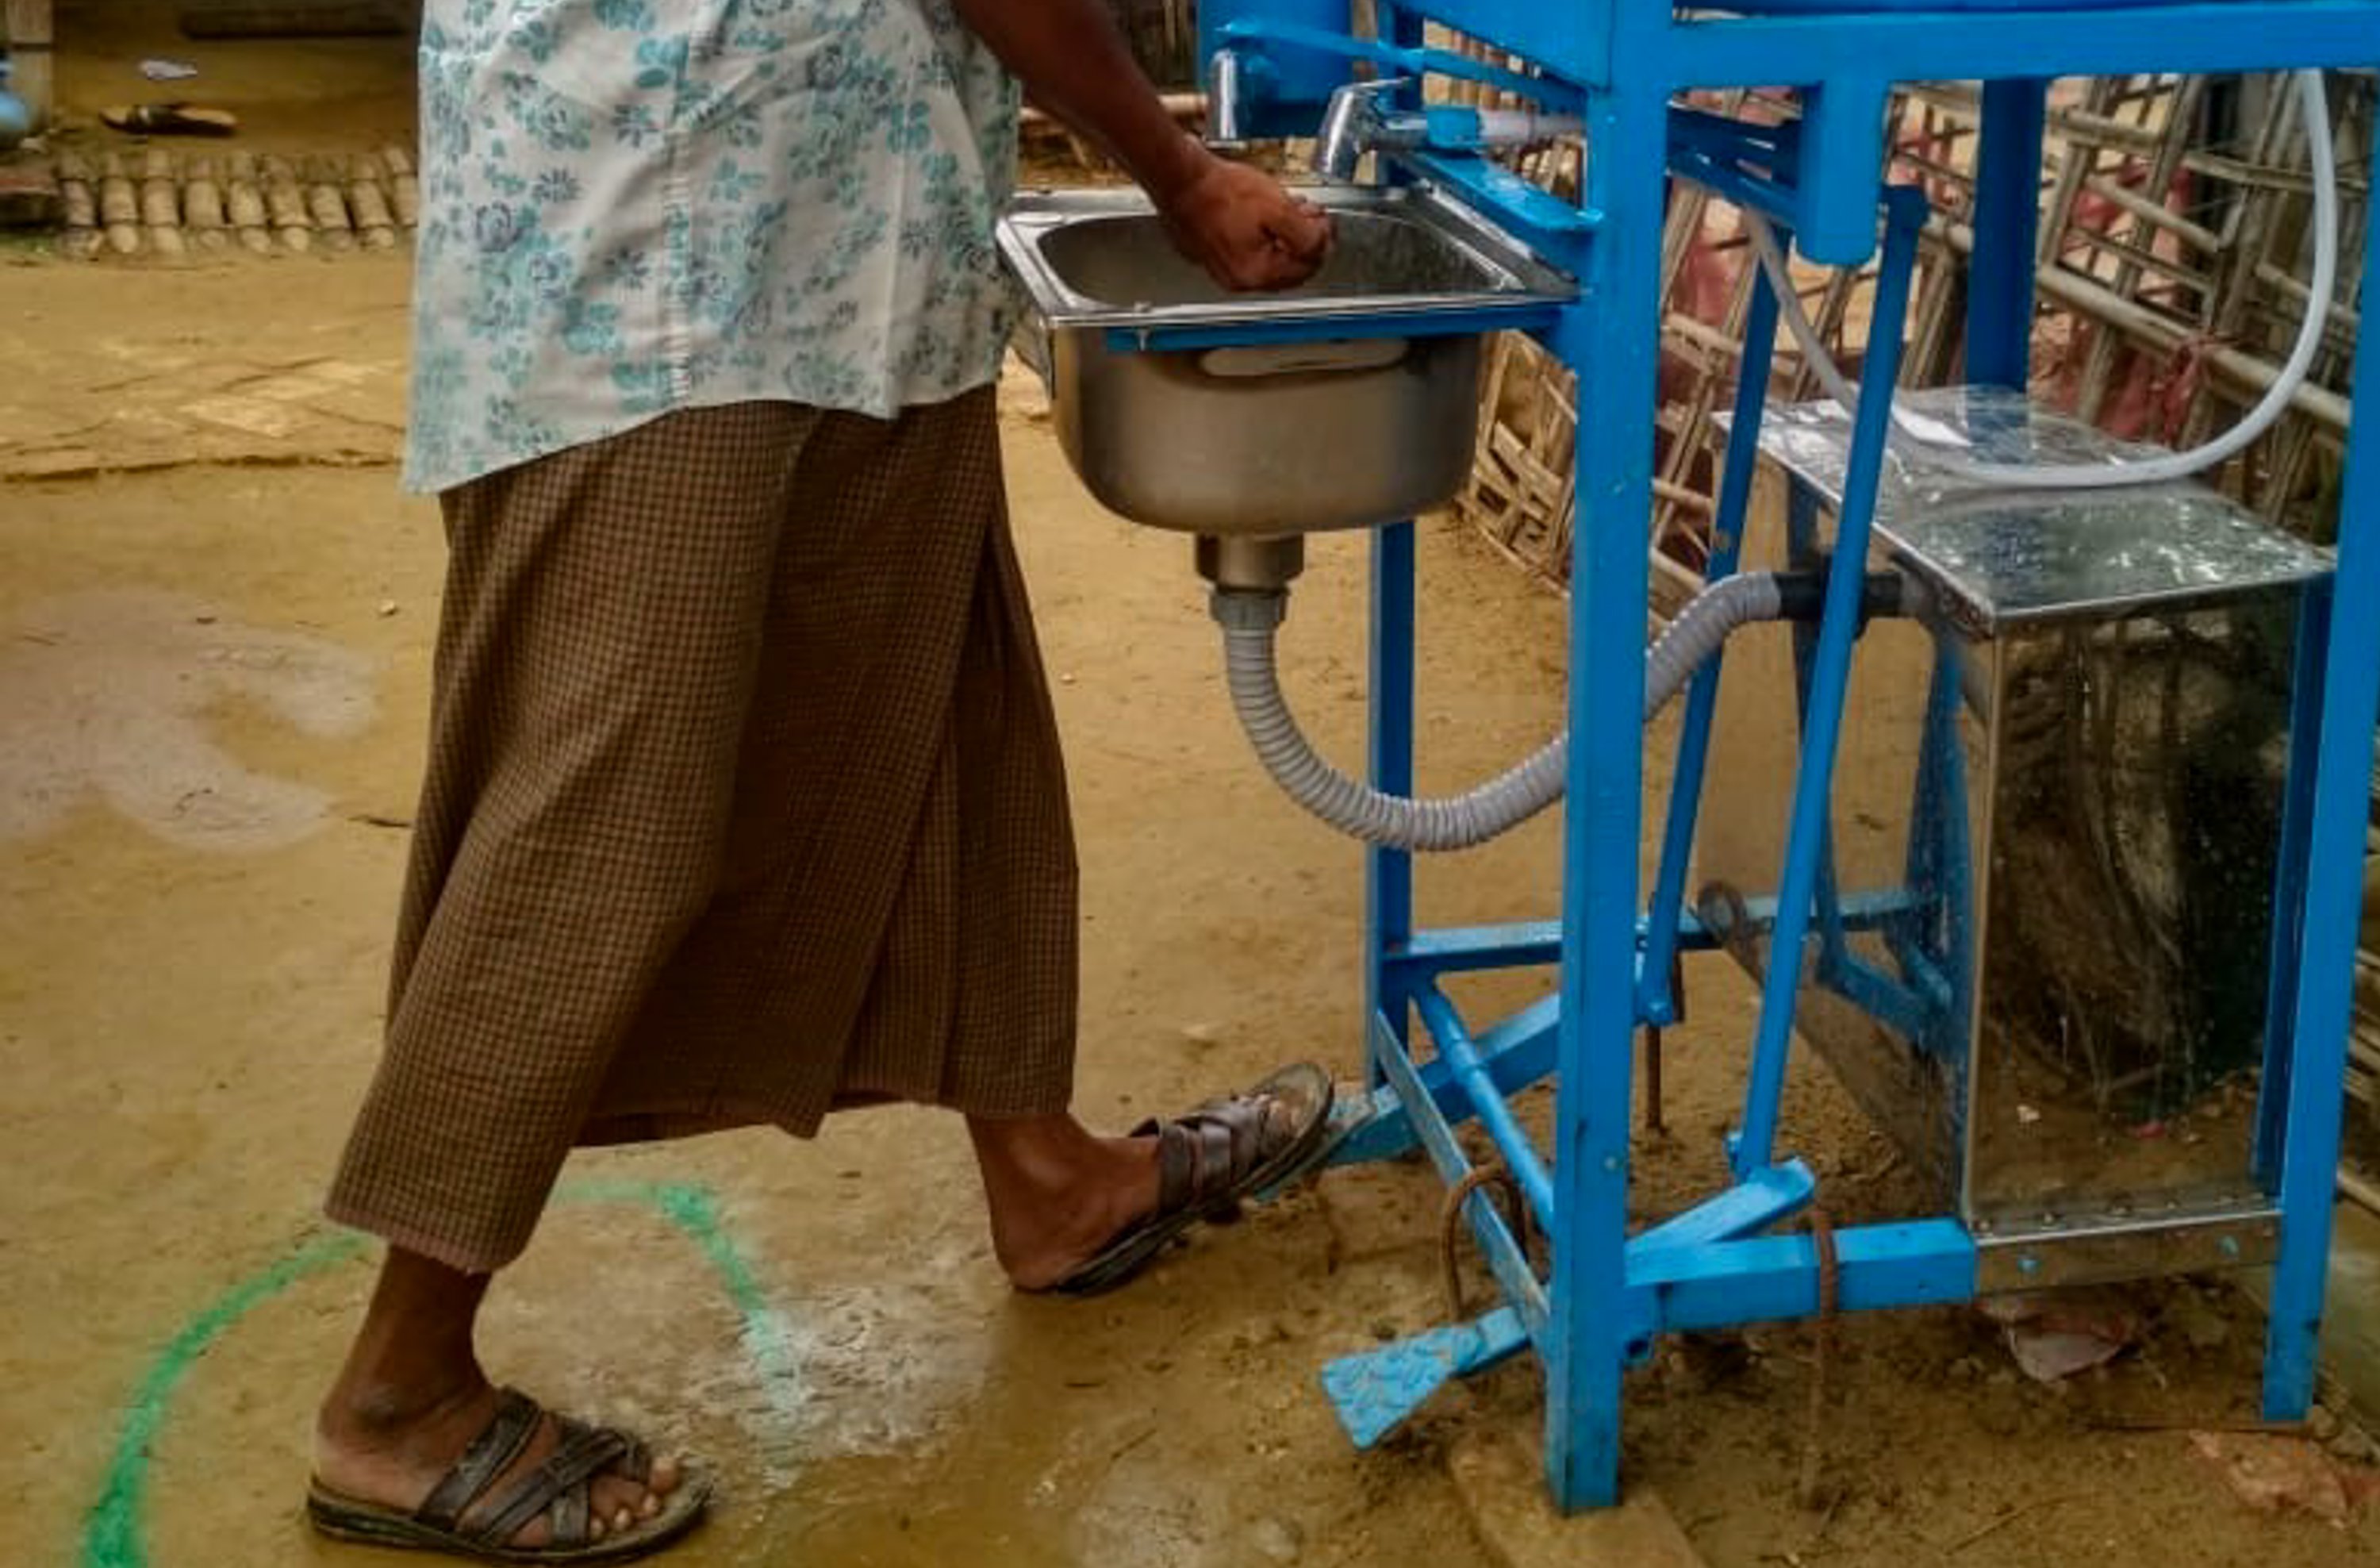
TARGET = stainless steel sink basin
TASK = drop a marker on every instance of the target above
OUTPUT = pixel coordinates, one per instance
(1348, 402)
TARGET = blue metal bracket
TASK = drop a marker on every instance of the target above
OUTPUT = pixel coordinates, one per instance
(1515, 1054)
(1559, 230)
(1553, 92)
(1751, 1206)
(1771, 1279)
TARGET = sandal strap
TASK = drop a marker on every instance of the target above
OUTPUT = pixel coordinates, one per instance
(570, 1515)
(584, 1452)
(1205, 1154)
(499, 1443)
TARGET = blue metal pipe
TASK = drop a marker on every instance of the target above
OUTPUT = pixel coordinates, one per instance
(2290, 881)
(1905, 216)
(1497, 1242)
(1614, 339)
(2225, 35)
(1656, 1005)
(1716, 1284)
(1388, 873)
(1495, 1112)
(2334, 904)
(2008, 226)
(1409, 59)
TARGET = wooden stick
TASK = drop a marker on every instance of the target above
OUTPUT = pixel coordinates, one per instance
(2010, 1517)
(2150, 211)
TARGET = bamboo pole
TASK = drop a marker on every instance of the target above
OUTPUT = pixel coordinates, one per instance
(161, 204)
(284, 204)
(244, 205)
(119, 207)
(79, 237)
(203, 207)
(326, 207)
(375, 225)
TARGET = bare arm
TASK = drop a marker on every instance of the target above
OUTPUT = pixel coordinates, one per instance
(1241, 226)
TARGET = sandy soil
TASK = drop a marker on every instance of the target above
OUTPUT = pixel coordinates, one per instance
(215, 622)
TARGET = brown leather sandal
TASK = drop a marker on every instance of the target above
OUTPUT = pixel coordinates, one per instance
(558, 1490)
(1211, 1160)
(168, 119)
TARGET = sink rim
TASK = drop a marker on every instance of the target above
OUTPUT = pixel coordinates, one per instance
(1034, 215)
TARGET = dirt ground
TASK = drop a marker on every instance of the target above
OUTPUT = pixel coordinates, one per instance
(215, 621)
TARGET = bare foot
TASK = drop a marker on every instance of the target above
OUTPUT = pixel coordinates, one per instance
(1057, 1196)
(1062, 1200)
(374, 1450)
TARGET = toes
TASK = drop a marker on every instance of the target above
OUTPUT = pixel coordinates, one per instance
(663, 1477)
(652, 1506)
(597, 1529)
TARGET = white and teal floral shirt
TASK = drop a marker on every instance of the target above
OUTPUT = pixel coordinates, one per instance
(631, 207)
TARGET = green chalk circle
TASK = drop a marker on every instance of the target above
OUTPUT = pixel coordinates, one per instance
(114, 1537)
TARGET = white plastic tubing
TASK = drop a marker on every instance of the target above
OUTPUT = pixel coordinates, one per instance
(1249, 621)
(1914, 443)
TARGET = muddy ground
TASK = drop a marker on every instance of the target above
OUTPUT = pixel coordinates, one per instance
(216, 611)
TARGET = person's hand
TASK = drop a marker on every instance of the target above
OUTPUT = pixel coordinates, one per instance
(1243, 227)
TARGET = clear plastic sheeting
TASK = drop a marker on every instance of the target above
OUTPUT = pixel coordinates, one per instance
(1995, 556)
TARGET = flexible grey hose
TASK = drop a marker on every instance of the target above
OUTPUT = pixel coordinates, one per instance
(1249, 620)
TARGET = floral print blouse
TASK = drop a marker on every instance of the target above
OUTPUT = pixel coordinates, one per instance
(631, 207)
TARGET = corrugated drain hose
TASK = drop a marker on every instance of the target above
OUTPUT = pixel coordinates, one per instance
(1250, 619)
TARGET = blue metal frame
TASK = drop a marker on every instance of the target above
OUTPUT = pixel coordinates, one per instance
(1602, 1295)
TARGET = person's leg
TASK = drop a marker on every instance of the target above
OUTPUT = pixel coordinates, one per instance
(597, 633)
(412, 1397)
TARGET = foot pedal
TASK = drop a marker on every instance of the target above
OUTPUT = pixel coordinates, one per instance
(1375, 1390)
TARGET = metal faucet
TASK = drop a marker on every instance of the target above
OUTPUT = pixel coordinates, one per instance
(1354, 124)
(1225, 127)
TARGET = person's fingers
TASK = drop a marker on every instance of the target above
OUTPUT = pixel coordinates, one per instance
(1281, 269)
(1304, 227)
